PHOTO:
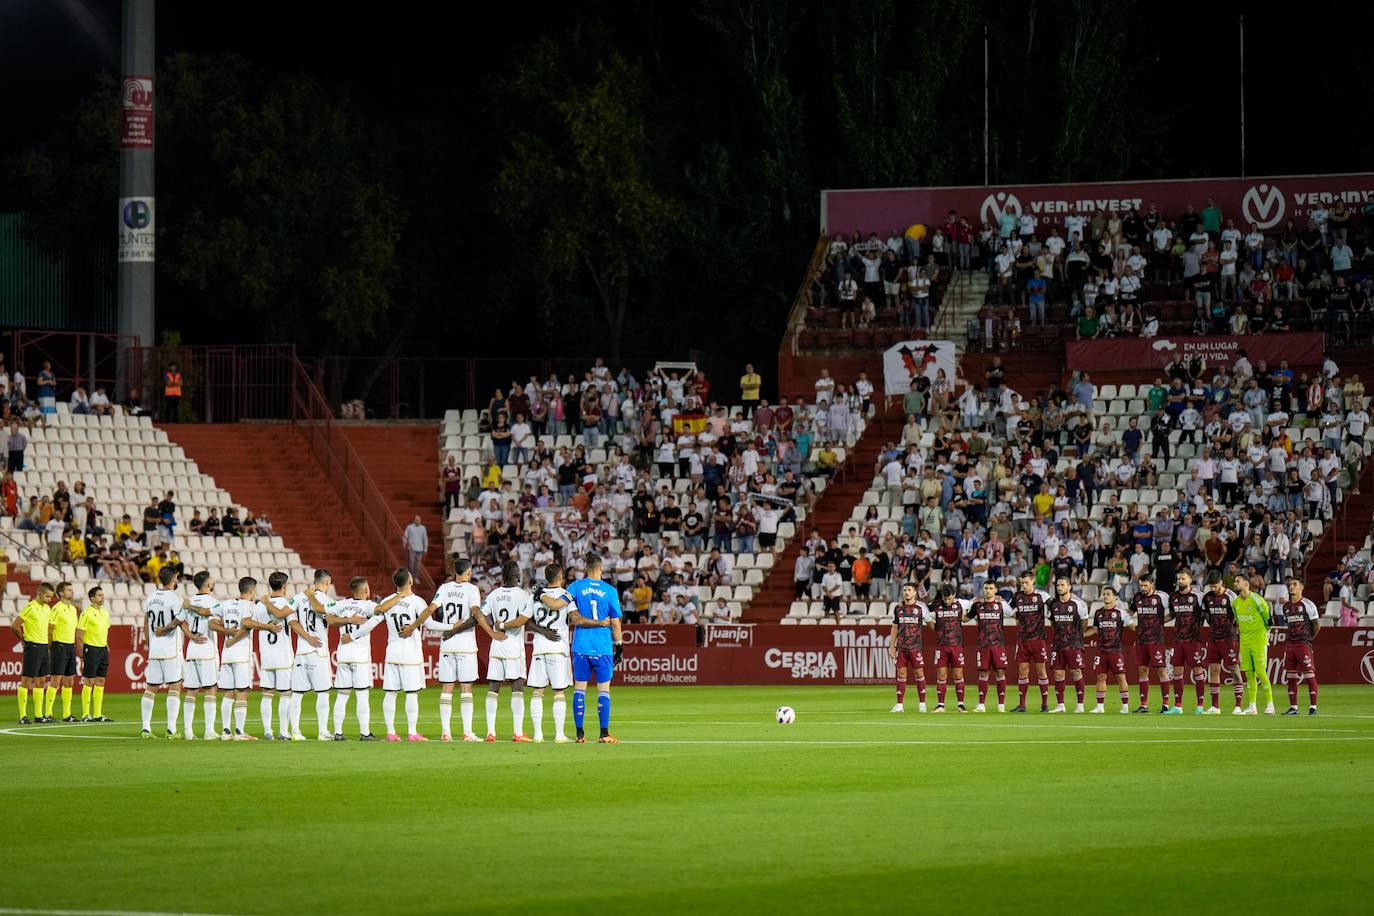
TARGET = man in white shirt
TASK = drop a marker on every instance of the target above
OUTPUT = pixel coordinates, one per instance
(1073, 226)
(832, 587)
(1356, 422)
(1026, 227)
(354, 660)
(521, 440)
(825, 388)
(403, 614)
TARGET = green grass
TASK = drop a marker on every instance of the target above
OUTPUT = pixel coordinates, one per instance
(708, 807)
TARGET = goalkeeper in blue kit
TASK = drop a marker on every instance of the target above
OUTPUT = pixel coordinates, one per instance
(596, 646)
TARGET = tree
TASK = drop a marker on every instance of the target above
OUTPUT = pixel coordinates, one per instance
(579, 174)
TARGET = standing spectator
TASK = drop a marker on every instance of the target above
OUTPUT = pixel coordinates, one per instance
(167, 518)
(749, 385)
(451, 478)
(522, 439)
(152, 520)
(55, 534)
(9, 495)
(15, 446)
(500, 438)
(47, 390)
(171, 394)
(416, 541)
(1211, 219)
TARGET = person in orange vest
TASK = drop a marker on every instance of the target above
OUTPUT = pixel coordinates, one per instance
(171, 393)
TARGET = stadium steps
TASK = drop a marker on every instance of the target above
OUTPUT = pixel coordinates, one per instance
(27, 587)
(832, 510)
(269, 468)
(1350, 526)
(403, 460)
(963, 299)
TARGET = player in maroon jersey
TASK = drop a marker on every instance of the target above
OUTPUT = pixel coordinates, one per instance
(1067, 613)
(1190, 653)
(904, 644)
(1302, 621)
(1109, 622)
(988, 611)
(1031, 608)
(948, 624)
(1223, 650)
(1149, 608)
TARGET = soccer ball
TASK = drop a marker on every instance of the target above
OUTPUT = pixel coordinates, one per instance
(786, 715)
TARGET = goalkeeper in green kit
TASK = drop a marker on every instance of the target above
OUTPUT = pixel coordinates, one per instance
(1253, 619)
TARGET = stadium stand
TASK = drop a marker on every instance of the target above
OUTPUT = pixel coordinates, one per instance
(83, 474)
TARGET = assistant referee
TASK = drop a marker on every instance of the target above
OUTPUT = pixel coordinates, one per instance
(63, 674)
(93, 645)
(34, 627)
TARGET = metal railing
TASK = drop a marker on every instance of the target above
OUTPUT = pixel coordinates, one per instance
(345, 471)
(797, 314)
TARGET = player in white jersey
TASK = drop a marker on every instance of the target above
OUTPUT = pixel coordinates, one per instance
(403, 613)
(275, 655)
(508, 608)
(165, 627)
(456, 614)
(202, 657)
(310, 670)
(354, 659)
(550, 664)
(236, 661)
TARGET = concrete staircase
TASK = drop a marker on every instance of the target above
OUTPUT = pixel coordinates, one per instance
(832, 510)
(963, 299)
(269, 469)
(403, 460)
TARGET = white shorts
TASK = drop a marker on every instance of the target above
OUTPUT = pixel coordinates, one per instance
(201, 672)
(409, 678)
(550, 670)
(353, 676)
(506, 669)
(235, 675)
(276, 679)
(457, 667)
(163, 671)
(311, 672)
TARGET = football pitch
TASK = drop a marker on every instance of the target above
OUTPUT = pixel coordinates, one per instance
(708, 806)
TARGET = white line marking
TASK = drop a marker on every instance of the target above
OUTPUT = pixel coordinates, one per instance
(35, 733)
(781, 742)
(978, 722)
(24, 912)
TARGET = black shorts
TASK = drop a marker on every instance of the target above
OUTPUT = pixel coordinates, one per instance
(37, 661)
(636, 617)
(95, 661)
(767, 540)
(830, 604)
(63, 659)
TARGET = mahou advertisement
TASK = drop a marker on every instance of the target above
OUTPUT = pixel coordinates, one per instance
(742, 654)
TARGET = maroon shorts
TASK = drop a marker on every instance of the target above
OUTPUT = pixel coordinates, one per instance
(1068, 659)
(1298, 658)
(993, 657)
(1190, 654)
(1031, 650)
(949, 656)
(1111, 663)
(1226, 653)
(911, 659)
(1149, 654)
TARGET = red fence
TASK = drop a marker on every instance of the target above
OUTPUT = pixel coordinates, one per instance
(1267, 202)
(765, 654)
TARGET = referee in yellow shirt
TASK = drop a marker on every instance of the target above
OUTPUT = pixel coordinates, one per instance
(93, 645)
(63, 675)
(34, 627)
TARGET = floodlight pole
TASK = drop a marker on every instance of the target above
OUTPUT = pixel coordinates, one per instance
(137, 212)
(1242, 95)
(985, 105)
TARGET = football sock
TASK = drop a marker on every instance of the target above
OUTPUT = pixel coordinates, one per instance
(66, 702)
(579, 710)
(284, 714)
(1044, 685)
(491, 713)
(921, 687)
(1059, 691)
(49, 701)
(1292, 690)
(146, 707)
(1125, 698)
(211, 710)
(560, 714)
(465, 707)
(173, 704)
(322, 713)
(241, 717)
(389, 711)
(537, 715)
(1144, 692)
(445, 713)
(188, 715)
(85, 700)
(1178, 690)
(1078, 687)
(1240, 692)
(364, 711)
(23, 702)
(412, 713)
(98, 695)
(265, 712)
(1200, 688)
(226, 712)
(1312, 689)
(1101, 697)
(940, 688)
(297, 700)
(1023, 687)
(959, 690)
(603, 712)
(982, 687)
(901, 691)
(517, 711)
(1001, 688)
(1214, 687)
(341, 711)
